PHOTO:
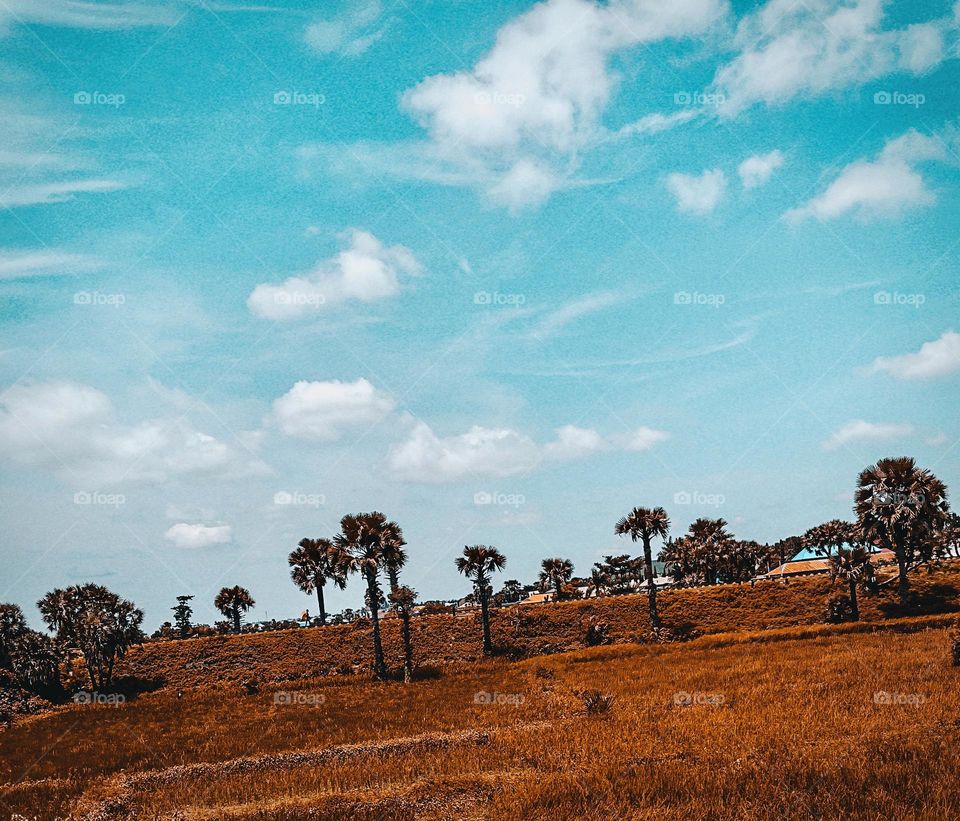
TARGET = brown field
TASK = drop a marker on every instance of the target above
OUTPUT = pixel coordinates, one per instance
(784, 721)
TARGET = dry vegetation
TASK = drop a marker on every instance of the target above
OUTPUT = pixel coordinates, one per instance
(770, 721)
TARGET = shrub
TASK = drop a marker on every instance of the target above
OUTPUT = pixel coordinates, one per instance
(598, 633)
(597, 703)
(838, 608)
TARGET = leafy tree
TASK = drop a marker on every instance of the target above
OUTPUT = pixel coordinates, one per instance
(98, 623)
(555, 573)
(829, 536)
(853, 565)
(182, 613)
(394, 556)
(599, 584)
(510, 593)
(903, 508)
(643, 524)
(478, 563)
(621, 572)
(233, 602)
(360, 549)
(402, 599)
(13, 626)
(313, 564)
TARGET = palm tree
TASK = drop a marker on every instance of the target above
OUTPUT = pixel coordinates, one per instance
(642, 524)
(232, 602)
(394, 556)
(853, 565)
(478, 563)
(359, 549)
(555, 573)
(313, 564)
(599, 584)
(823, 539)
(903, 508)
(402, 599)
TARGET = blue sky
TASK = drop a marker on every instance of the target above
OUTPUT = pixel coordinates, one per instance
(500, 270)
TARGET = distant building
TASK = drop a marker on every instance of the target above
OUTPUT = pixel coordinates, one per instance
(806, 563)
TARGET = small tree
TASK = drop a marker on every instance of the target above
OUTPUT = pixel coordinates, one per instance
(853, 565)
(312, 565)
(233, 602)
(402, 599)
(555, 573)
(96, 622)
(478, 563)
(182, 614)
(643, 524)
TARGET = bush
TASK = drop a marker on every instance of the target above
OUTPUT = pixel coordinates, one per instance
(597, 703)
(838, 608)
(598, 633)
(955, 645)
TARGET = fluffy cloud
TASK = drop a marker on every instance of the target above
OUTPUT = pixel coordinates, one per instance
(365, 270)
(937, 358)
(788, 49)
(499, 452)
(196, 536)
(319, 411)
(880, 187)
(697, 195)
(71, 429)
(861, 431)
(535, 99)
(757, 170)
(350, 35)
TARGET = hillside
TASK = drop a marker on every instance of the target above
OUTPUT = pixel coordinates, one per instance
(443, 640)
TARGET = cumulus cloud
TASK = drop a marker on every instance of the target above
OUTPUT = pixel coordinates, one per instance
(350, 35)
(860, 431)
(320, 411)
(881, 187)
(787, 50)
(499, 452)
(365, 270)
(937, 358)
(756, 170)
(71, 429)
(697, 195)
(196, 536)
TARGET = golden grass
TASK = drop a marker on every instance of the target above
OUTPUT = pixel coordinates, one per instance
(782, 724)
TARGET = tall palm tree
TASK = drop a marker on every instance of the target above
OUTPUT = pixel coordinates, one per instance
(555, 573)
(830, 536)
(853, 565)
(478, 563)
(643, 524)
(312, 565)
(402, 599)
(359, 547)
(903, 508)
(394, 556)
(233, 602)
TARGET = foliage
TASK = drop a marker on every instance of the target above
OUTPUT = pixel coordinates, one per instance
(555, 573)
(182, 613)
(478, 563)
(233, 602)
(312, 565)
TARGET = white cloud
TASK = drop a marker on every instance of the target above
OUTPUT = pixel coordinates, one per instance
(49, 192)
(861, 431)
(350, 35)
(937, 358)
(788, 49)
(499, 452)
(319, 411)
(86, 14)
(20, 264)
(756, 170)
(71, 429)
(555, 321)
(698, 195)
(196, 536)
(876, 188)
(365, 270)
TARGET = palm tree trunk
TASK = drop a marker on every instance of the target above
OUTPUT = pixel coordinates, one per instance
(379, 665)
(393, 573)
(236, 619)
(651, 587)
(407, 646)
(485, 618)
(323, 611)
(903, 585)
(854, 608)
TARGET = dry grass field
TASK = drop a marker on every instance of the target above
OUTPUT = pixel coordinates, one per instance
(804, 722)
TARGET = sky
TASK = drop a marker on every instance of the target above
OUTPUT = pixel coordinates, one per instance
(501, 270)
